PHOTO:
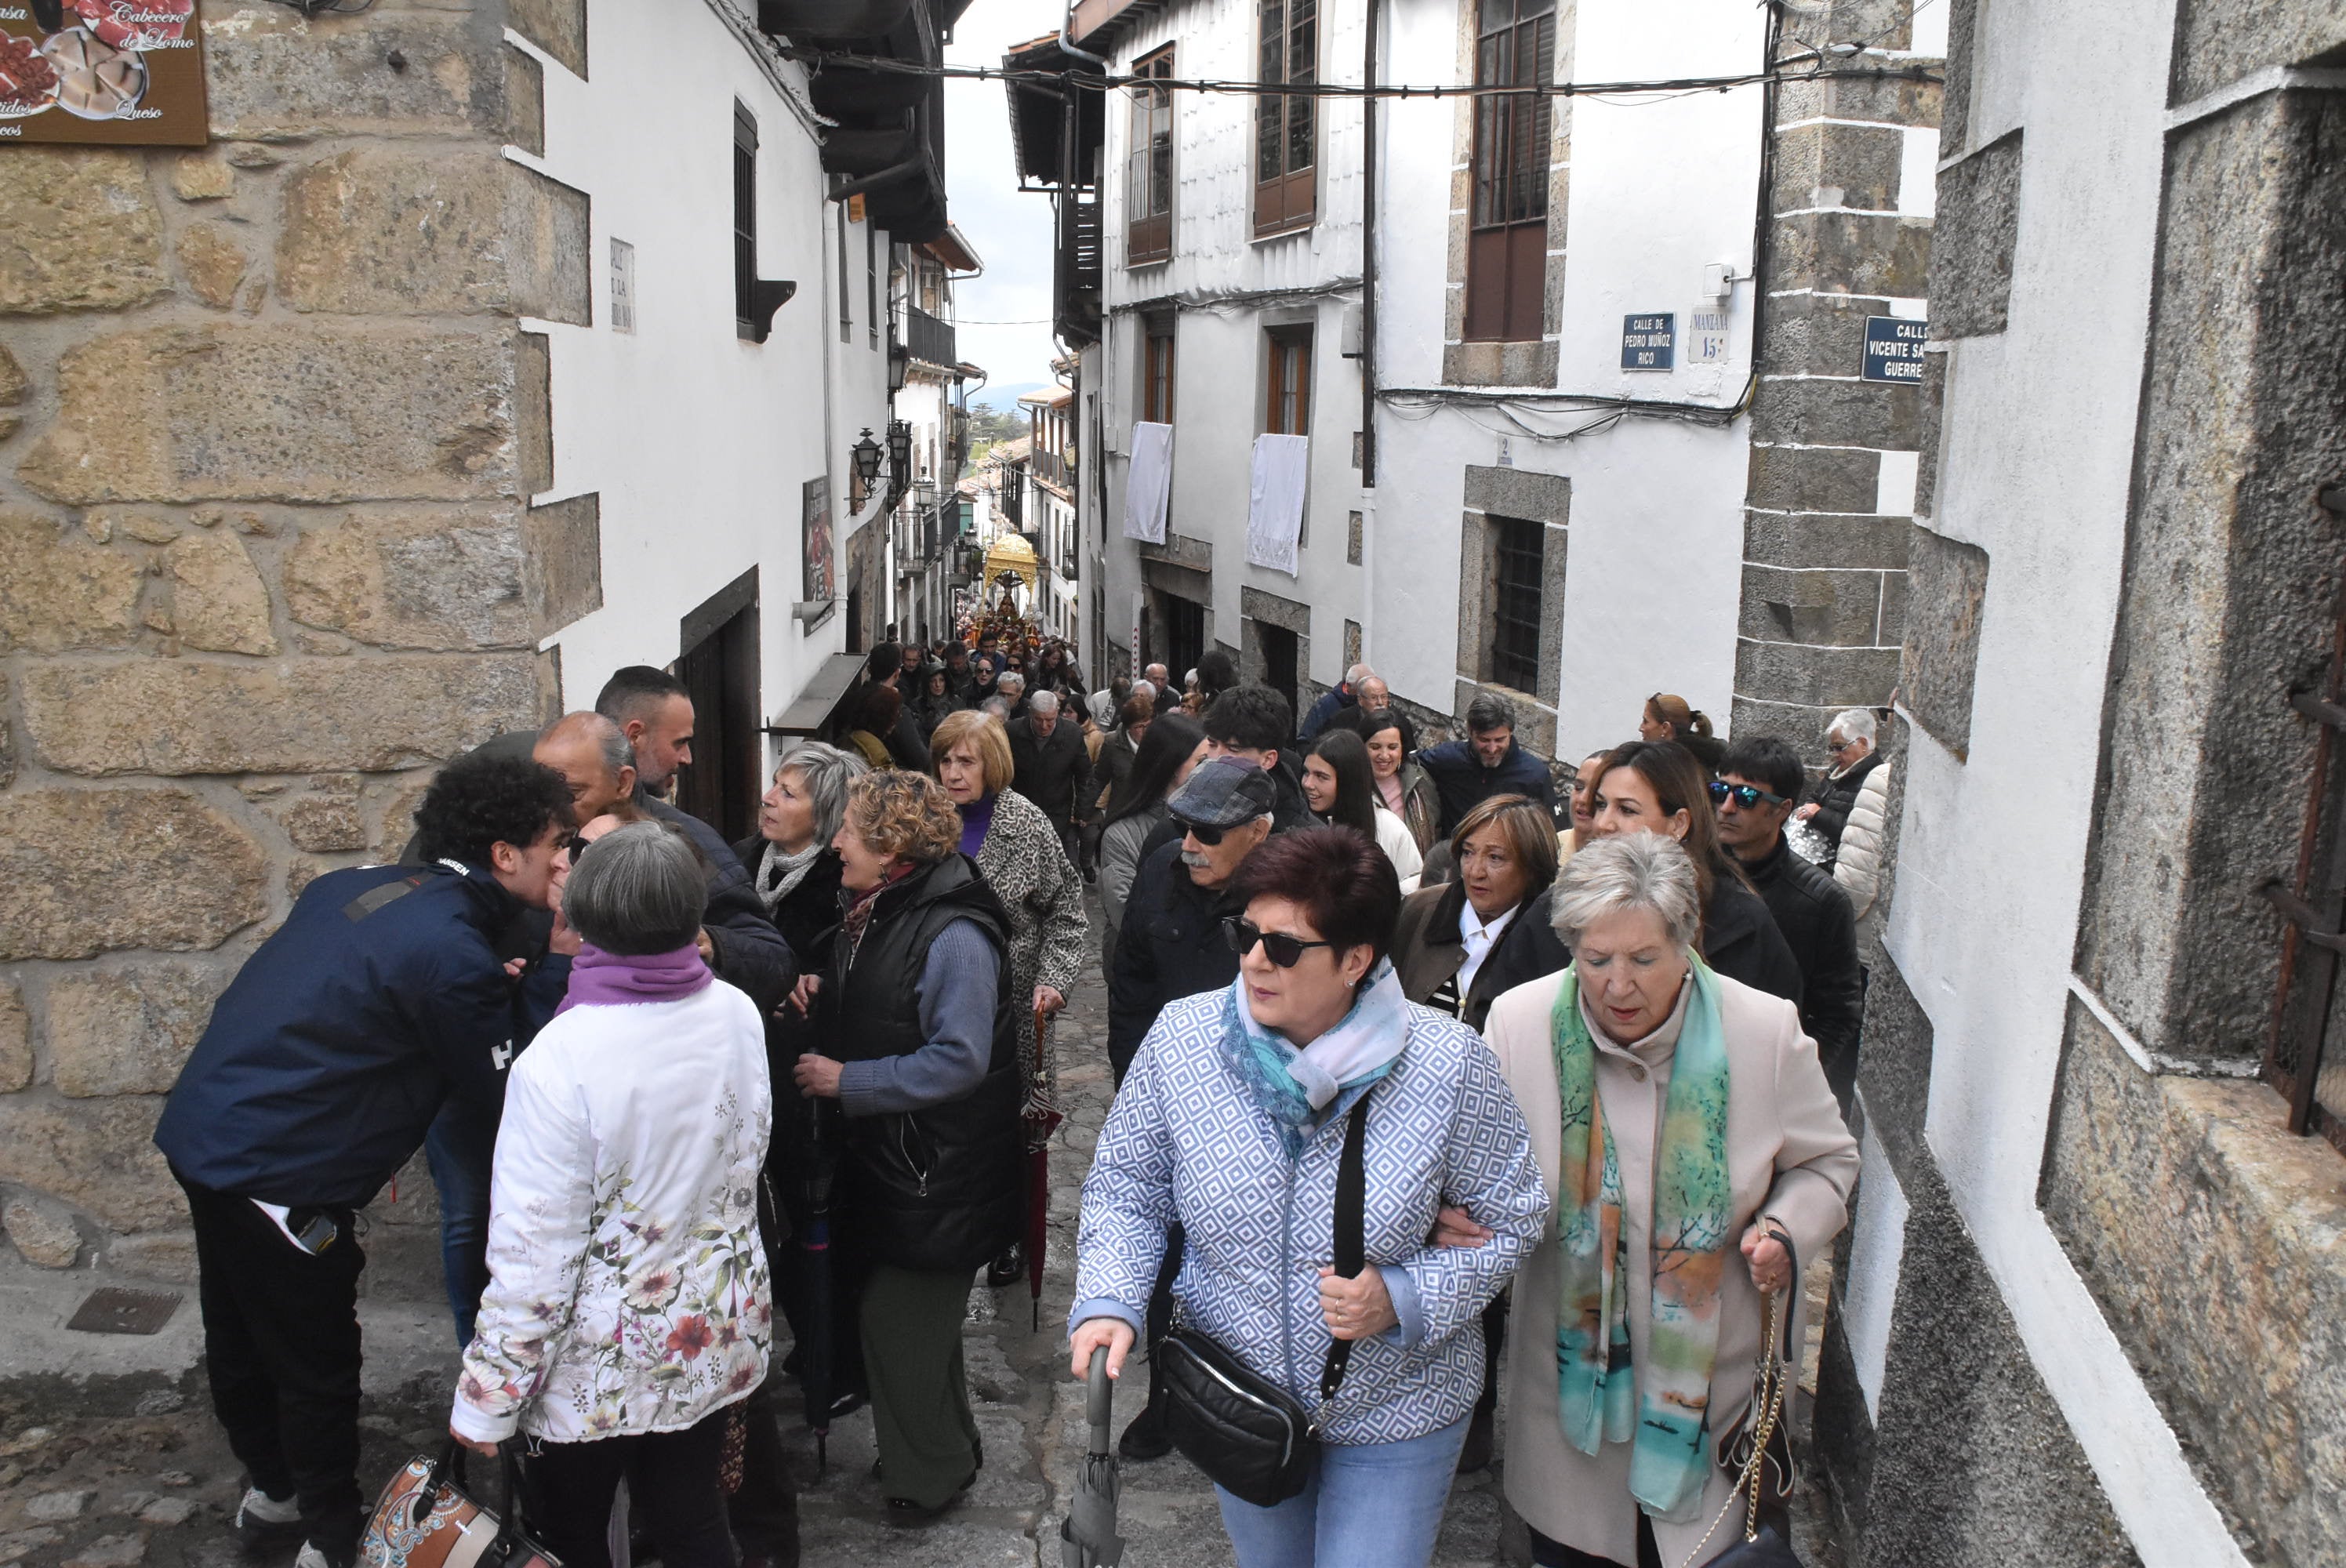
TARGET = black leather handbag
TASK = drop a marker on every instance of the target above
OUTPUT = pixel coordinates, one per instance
(1251, 1437)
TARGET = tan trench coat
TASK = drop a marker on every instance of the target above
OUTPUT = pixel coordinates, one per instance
(1789, 1154)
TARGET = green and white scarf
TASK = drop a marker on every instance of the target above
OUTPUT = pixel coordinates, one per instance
(1598, 1396)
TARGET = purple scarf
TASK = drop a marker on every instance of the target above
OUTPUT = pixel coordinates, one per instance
(975, 819)
(599, 979)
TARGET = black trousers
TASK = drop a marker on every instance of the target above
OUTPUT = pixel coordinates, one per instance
(764, 1512)
(1547, 1553)
(675, 1485)
(281, 1348)
(1494, 1335)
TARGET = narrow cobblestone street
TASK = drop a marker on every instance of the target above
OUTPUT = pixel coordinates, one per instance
(153, 1487)
(118, 1490)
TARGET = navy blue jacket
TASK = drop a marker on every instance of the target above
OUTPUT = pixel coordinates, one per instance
(1332, 702)
(1463, 783)
(331, 1052)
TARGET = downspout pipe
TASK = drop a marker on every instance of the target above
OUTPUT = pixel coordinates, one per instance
(1369, 126)
(1067, 42)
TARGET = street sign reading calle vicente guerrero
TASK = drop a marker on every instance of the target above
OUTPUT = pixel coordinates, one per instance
(122, 73)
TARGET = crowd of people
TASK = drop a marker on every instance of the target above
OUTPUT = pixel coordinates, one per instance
(1436, 1070)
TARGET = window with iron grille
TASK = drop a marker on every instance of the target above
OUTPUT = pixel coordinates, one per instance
(1518, 555)
(745, 220)
(1287, 400)
(1506, 245)
(1287, 126)
(2304, 1058)
(1148, 183)
(1156, 376)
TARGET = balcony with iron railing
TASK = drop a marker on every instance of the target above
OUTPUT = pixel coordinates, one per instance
(930, 337)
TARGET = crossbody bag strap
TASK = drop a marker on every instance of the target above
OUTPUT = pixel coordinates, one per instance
(1351, 1238)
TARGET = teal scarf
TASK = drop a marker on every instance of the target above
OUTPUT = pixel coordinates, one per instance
(1598, 1395)
(1299, 1090)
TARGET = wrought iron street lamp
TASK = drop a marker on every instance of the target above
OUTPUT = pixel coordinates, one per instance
(866, 455)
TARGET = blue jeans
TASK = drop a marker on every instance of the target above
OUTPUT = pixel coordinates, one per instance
(461, 1149)
(1377, 1505)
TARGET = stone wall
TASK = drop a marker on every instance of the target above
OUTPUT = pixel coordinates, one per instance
(269, 431)
(2231, 591)
(1824, 574)
(2215, 1243)
(1964, 1460)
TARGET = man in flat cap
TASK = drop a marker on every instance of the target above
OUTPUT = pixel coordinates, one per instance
(1171, 943)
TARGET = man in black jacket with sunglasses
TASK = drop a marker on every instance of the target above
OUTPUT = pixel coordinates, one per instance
(1172, 944)
(1758, 785)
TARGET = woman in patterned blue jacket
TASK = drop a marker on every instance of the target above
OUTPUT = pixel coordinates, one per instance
(1231, 1122)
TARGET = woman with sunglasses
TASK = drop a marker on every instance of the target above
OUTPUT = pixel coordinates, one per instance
(1338, 786)
(1231, 1124)
(1637, 1064)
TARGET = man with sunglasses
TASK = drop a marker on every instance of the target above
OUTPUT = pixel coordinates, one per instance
(1171, 943)
(1758, 786)
(1181, 936)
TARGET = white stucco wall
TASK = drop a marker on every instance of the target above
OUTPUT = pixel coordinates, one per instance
(696, 441)
(2038, 445)
(1656, 191)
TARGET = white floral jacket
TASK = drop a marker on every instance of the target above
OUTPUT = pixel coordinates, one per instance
(628, 1289)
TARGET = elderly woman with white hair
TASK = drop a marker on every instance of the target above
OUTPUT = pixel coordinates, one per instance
(1685, 1125)
(1849, 743)
(629, 1311)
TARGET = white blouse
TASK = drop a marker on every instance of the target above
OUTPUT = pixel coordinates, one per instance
(628, 1289)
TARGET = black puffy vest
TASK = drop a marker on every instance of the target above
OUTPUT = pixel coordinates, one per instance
(942, 1188)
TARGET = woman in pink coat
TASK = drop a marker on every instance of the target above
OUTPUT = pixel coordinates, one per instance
(1682, 1120)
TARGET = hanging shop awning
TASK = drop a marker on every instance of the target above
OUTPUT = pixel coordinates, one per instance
(818, 702)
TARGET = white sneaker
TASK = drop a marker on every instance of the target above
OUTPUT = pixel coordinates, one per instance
(262, 1518)
(310, 1557)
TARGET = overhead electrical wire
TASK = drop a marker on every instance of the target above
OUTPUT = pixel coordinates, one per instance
(1668, 87)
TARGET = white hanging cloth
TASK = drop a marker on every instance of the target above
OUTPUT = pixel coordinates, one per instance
(1149, 481)
(1275, 501)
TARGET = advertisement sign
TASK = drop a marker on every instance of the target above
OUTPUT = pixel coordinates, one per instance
(119, 73)
(815, 513)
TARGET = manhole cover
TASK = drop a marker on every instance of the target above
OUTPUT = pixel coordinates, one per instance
(111, 1310)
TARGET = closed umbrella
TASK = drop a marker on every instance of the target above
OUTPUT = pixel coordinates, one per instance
(814, 1243)
(1087, 1537)
(1042, 1118)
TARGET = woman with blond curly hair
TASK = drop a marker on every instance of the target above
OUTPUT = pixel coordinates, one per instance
(920, 1044)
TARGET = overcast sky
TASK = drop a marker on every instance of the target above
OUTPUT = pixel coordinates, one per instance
(1011, 232)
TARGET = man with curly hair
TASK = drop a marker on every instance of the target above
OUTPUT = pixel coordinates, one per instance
(380, 997)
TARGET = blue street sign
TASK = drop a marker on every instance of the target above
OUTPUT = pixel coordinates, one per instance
(1893, 349)
(1649, 342)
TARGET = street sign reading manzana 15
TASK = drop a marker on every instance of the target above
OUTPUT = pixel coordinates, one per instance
(123, 73)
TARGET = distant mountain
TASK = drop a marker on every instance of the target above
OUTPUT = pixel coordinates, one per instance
(1005, 398)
